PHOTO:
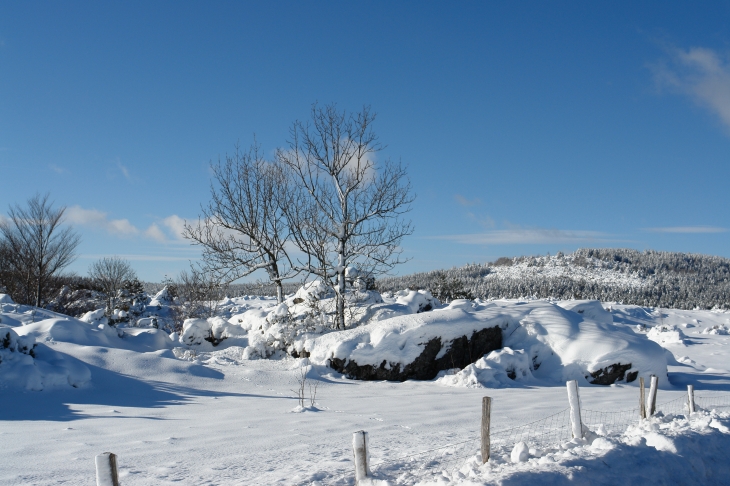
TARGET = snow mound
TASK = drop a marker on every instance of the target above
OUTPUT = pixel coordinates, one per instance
(501, 368)
(212, 329)
(542, 340)
(25, 364)
(590, 309)
(417, 300)
(717, 329)
(6, 299)
(94, 317)
(666, 335)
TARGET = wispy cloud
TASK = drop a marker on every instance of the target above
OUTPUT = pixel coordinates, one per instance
(57, 169)
(169, 229)
(535, 236)
(688, 229)
(145, 258)
(125, 171)
(99, 219)
(700, 73)
(466, 202)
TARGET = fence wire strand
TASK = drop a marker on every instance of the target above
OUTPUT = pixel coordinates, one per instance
(710, 403)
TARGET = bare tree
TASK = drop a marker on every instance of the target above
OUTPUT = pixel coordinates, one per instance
(36, 244)
(111, 274)
(198, 293)
(352, 213)
(243, 229)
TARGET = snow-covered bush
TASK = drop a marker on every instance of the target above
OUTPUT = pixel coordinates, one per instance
(96, 317)
(195, 331)
(10, 342)
(417, 300)
(664, 334)
(720, 329)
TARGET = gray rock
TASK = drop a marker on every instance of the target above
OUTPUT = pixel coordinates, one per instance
(461, 352)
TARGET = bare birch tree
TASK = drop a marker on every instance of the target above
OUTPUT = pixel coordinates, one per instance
(243, 229)
(353, 209)
(37, 246)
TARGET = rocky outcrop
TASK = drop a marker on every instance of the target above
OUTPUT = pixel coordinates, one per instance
(613, 373)
(461, 352)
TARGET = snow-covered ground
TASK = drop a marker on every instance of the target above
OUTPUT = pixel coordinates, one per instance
(176, 413)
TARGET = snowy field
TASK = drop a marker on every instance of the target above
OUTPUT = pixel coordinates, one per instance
(188, 412)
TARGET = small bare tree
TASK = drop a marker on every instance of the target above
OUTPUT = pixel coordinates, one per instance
(37, 246)
(243, 229)
(352, 211)
(197, 293)
(111, 274)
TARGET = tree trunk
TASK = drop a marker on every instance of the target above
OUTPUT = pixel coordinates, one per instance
(279, 292)
(341, 287)
(38, 290)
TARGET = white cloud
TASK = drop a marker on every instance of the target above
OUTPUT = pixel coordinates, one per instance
(98, 219)
(688, 229)
(176, 225)
(123, 227)
(700, 73)
(528, 237)
(155, 233)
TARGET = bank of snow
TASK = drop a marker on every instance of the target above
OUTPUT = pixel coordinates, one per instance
(26, 364)
(662, 450)
(545, 341)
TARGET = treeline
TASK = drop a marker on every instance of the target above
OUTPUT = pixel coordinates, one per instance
(648, 278)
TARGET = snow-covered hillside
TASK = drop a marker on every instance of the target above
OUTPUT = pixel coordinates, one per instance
(649, 278)
(217, 403)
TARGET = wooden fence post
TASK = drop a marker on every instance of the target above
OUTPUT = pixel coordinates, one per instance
(642, 398)
(576, 423)
(106, 469)
(652, 395)
(691, 398)
(486, 411)
(362, 455)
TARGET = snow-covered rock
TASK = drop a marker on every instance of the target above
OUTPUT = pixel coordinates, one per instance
(554, 343)
(6, 299)
(666, 334)
(500, 368)
(417, 300)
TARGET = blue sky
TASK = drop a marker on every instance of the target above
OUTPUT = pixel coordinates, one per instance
(527, 127)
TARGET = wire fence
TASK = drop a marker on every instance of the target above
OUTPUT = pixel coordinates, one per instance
(710, 403)
(542, 434)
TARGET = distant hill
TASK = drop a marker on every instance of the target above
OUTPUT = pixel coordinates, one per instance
(648, 278)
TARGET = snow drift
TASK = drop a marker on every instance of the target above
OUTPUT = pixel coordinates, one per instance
(541, 340)
(26, 364)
